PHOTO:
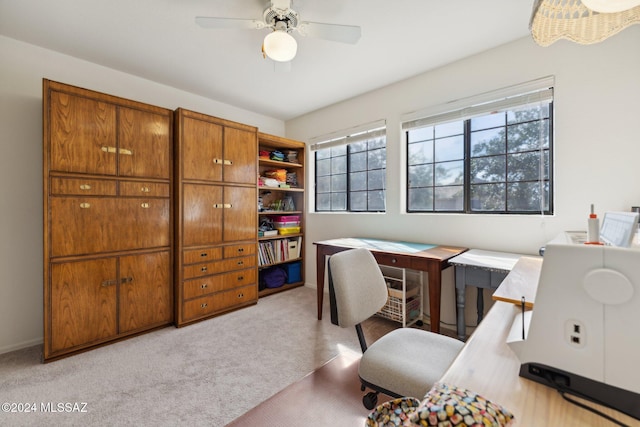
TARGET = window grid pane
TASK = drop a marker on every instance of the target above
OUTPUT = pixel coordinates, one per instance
(352, 177)
(504, 165)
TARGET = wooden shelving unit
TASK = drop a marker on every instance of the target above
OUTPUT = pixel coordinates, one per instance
(271, 195)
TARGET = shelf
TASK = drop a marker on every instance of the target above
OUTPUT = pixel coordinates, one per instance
(279, 236)
(279, 163)
(290, 189)
(279, 212)
(280, 262)
(285, 287)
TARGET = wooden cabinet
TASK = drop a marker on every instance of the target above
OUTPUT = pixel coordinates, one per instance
(107, 226)
(92, 303)
(215, 221)
(285, 249)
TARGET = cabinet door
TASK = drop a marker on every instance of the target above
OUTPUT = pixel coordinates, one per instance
(202, 214)
(144, 143)
(83, 302)
(82, 135)
(240, 219)
(142, 223)
(240, 154)
(202, 155)
(85, 225)
(145, 291)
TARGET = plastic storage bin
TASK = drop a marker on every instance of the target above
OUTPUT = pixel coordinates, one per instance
(293, 272)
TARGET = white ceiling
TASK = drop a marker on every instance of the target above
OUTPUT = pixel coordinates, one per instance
(159, 40)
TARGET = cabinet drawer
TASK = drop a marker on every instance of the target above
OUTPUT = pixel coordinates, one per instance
(211, 304)
(202, 255)
(239, 250)
(140, 189)
(207, 285)
(88, 187)
(206, 269)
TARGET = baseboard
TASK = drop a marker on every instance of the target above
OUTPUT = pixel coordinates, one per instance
(20, 346)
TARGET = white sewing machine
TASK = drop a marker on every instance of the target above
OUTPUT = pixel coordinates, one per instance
(583, 334)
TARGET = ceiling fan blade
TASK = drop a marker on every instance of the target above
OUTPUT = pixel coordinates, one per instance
(229, 23)
(334, 32)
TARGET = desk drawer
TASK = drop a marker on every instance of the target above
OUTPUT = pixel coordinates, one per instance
(394, 260)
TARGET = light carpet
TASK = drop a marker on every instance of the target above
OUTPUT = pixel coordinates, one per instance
(206, 374)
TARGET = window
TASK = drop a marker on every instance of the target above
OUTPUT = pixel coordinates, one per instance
(494, 160)
(350, 173)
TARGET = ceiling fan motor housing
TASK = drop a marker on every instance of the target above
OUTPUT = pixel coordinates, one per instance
(273, 16)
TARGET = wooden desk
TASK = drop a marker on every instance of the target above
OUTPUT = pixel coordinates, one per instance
(483, 270)
(487, 366)
(424, 257)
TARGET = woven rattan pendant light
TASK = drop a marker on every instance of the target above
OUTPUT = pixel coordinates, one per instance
(552, 20)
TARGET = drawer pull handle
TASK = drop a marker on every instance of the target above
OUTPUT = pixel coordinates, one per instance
(203, 254)
(227, 162)
(126, 151)
(240, 262)
(241, 250)
(108, 283)
(204, 286)
(241, 295)
(203, 269)
(240, 278)
(145, 189)
(227, 206)
(218, 205)
(126, 280)
(217, 161)
(145, 205)
(203, 305)
(85, 205)
(85, 187)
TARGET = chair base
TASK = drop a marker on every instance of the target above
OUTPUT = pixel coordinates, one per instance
(370, 400)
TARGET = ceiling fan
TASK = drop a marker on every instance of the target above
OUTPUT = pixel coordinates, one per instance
(279, 44)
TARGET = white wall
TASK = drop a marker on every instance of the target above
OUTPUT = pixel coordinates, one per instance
(22, 69)
(597, 142)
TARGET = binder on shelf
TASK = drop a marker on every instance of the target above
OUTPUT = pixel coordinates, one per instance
(293, 249)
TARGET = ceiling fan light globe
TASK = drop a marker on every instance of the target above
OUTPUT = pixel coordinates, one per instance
(280, 46)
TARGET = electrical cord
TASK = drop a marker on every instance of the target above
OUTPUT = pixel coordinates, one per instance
(589, 408)
(559, 384)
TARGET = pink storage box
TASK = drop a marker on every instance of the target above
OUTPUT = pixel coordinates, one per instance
(286, 218)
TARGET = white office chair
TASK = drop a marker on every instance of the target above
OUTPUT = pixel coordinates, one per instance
(405, 361)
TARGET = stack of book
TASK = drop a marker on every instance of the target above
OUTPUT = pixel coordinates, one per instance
(279, 250)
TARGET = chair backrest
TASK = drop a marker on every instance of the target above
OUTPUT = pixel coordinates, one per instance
(359, 288)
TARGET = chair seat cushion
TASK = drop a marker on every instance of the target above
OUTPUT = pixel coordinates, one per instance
(408, 361)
